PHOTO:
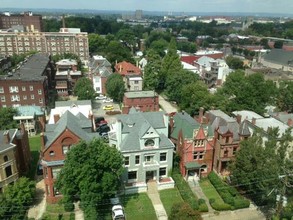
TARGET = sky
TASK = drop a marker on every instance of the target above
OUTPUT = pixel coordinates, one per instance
(252, 6)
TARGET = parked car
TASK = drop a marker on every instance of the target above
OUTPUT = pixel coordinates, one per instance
(105, 136)
(108, 107)
(100, 97)
(118, 212)
(103, 129)
(40, 169)
(99, 119)
(108, 100)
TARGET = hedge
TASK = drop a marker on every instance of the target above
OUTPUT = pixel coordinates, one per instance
(229, 194)
(185, 191)
(220, 206)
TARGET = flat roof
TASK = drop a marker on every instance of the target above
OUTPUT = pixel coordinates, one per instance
(140, 94)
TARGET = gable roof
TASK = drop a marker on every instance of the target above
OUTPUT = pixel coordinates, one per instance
(3, 145)
(184, 122)
(76, 124)
(125, 68)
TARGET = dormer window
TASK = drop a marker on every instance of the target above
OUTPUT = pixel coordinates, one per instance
(149, 143)
(52, 153)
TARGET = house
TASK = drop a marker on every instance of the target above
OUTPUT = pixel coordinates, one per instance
(133, 83)
(285, 117)
(194, 145)
(66, 131)
(28, 84)
(15, 157)
(33, 118)
(100, 69)
(75, 107)
(228, 132)
(127, 69)
(66, 76)
(142, 138)
(143, 100)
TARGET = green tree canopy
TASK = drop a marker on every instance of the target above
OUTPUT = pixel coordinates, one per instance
(91, 172)
(285, 98)
(116, 51)
(234, 62)
(115, 87)
(84, 89)
(6, 119)
(97, 44)
(16, 199)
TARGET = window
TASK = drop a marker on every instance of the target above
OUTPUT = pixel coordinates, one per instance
(40, 100)
(52, 153)
(234, 150)
(46, 172)
(198, 155)
(126, 161)
(149, 143)
(226, 152)
(227, 139)
(32, 96)
(23, 88)
(13, 89)
(65, 149)
(149, 158)
(1, 89)
(15, 98)
(5, 158)
(39, 91)
(135, 81)
(31, 88)
(3, 99)
(163, 171)
(163, 156)
(132, 175)
(137, 159)
(8, 171)
(56, 191)
(55, 171)
(24, 97)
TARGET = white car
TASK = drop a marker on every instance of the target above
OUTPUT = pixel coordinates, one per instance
(118, 213)
(108, 100)
(100, 97)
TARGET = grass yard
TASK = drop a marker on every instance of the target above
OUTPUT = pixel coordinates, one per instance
(35, 147)
(138, 206)
(209, 190)
(169, 197)
(55, 211)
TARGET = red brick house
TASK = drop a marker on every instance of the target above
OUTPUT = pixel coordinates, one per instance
(145, 101)
(29, 84)
(127, 69)
(193, 143)
(67, 131)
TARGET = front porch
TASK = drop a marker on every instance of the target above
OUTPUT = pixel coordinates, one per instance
(195, 170)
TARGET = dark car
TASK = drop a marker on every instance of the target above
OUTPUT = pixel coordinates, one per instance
(40, 169)
(99, 119)
(103, 129)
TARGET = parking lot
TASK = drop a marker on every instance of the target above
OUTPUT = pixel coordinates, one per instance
(99, 111)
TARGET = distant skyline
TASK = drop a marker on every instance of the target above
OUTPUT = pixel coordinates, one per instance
(242, 6)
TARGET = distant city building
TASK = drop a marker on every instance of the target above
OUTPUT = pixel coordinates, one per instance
(28, 84)
(138, 14)
(29, 21)
(68, 40)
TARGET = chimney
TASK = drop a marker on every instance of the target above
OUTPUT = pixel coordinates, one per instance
(6, 137)
(290, 122)
(200, 114)
(22, 128)
(42, 141)
(253, 120)
(238, 119)
(56, 118)
(63, 21)
(42, 121)
(120, 68)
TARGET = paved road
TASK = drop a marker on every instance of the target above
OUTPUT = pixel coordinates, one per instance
(166, 106)
(39, 205)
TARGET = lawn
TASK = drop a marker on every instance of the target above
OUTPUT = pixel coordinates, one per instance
(169, 197)
(138, 206)
(55, 211)
(209, 190)
(35, 147)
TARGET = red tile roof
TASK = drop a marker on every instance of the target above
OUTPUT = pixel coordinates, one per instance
(124, 68)
(189, 59)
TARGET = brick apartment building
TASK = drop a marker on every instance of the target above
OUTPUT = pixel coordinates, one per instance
(15, 155)
(29, 21)
(29, 84)
(68, 40)
(144, 101)
(59, 137)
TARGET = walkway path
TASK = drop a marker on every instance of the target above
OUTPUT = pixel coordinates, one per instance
(78, 212)
(166, 106)
(196, 189)
(155, 198)
(39, 205)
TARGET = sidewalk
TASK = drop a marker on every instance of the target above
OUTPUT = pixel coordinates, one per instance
(166, 106)
(39, 205)
(78, 212)
(199, 193)
(153, 194)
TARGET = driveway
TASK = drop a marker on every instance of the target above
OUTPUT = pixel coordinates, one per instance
(167, 106)
(99, 111)
(39, 206)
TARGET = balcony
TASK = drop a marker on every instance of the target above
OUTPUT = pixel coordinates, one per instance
(151, 165)
(8, 180)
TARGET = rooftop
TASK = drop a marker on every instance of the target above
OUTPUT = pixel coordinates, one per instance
(280, 56)
(248, 115)
(140, 94)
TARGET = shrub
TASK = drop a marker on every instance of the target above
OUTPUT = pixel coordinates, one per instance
(212, 200)
(201, 201)
(203, 208)
(72, 216)
(219, 206)
(240, 203)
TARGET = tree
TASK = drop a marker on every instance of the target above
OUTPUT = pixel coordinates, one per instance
(117, 52)
(84, 89)
(91, 173)
(278, 44)
(234, 63)
(97, 44)
(159, 46)
(115, 87)
(6, 119)
(285, 97)
(152, 71)
(16, 199)
(182, 211)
